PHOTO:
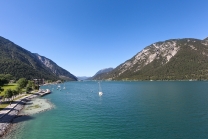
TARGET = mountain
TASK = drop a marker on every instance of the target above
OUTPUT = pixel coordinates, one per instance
(82, 77)
(19, 62)
(206, 39)
(174, 59)
(55, 69)
(99, 75)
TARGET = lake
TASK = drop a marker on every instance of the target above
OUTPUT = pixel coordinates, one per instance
(126, 110)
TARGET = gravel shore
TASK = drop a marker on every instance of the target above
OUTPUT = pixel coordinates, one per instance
(14, 111)
(6, 120)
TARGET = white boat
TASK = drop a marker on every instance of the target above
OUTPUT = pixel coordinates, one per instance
(100, 90)
(100, 93)
(64, 86)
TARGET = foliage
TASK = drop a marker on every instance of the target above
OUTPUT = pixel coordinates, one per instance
(8, 93)
(22, 82)
(29, 86)
(8, 86)
(4, 79)
(1, 89)
(33, 86)
(19, 90)
(14, 92)
(28, 89)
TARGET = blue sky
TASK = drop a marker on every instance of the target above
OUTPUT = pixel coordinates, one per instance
(84, 36)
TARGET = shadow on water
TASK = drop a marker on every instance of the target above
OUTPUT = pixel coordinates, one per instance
(28, 103)
(15, 118)
(21, 103)
(22, 118)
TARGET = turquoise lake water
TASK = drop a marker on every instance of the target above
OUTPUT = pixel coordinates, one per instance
(126, 110)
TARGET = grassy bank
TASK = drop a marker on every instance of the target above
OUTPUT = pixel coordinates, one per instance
(12, 86)
(6, 103)
(8, 86)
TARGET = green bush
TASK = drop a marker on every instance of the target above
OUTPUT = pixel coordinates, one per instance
(8, 93)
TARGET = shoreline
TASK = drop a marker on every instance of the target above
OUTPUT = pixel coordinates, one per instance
(13, 111)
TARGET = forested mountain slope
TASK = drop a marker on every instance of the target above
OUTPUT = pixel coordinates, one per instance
(19, 62)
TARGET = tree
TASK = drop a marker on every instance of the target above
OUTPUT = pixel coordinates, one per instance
(4, 79)
(1, 89)
(14, 92)
(1, 82)
(8, 93)
(33, 85)
(29, 86)
(27, 89)
(22, 82)
(18, 89)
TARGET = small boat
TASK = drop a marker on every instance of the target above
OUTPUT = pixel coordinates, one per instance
(64, 86)
(100, 90)
(100, 93)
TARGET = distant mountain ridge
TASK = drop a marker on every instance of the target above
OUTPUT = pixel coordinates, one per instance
(20, 62)
(100, 73)
(82, 77)
(174, 59)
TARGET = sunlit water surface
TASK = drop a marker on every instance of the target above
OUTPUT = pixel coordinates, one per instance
(161, 110)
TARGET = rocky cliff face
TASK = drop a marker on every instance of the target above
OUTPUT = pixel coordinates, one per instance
(55, 69)
(163, 50)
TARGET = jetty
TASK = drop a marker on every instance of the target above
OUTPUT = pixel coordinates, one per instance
(44, 92)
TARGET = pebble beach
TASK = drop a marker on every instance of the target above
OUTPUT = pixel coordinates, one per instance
(21, 110)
